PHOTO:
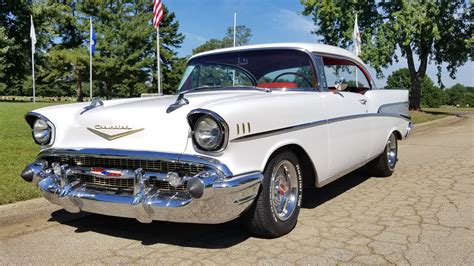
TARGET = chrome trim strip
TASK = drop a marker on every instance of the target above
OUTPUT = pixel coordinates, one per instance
(31, 123)
(144, 155)
(312, 124)
(279, 131)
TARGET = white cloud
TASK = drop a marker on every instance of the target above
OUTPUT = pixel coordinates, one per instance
(294, 22)
(195, 38)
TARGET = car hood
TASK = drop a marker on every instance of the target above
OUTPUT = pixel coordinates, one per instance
(131, 124)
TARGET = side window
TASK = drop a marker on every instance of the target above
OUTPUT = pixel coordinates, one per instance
(299, 77)
(337, 70)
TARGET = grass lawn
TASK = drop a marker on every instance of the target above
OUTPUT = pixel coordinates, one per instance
(429, 114)
(449, 109)
(17, 150)
(422, 116)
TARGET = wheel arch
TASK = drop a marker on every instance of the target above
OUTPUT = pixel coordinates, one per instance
(310, 175)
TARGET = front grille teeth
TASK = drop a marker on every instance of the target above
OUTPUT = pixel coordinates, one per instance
(126, 184)
(159, 166)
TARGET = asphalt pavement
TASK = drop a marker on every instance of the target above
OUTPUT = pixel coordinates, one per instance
(423, 214)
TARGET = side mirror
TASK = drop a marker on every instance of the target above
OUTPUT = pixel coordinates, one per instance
(341, 84)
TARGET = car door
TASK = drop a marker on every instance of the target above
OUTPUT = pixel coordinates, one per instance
(348, 130)
(346, 112)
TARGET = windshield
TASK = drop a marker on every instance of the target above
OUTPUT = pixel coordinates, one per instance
(280, 68)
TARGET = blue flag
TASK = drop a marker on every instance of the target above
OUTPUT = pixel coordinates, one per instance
(93, 40)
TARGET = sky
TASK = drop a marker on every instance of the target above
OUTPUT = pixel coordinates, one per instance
(271, 21)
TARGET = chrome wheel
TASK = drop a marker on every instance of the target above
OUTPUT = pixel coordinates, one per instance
(392, 151)
(284, 190)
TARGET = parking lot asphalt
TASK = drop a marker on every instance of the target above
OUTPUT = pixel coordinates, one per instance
(423, 214)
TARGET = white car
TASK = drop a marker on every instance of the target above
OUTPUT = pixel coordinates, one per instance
(250, 127)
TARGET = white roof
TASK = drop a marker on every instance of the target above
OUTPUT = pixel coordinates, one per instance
(311, 47)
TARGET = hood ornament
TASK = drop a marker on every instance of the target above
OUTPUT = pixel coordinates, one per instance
(109, 137)
(180, 101)
(96, 102)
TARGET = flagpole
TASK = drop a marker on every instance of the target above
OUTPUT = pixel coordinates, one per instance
(235, 27)
(33, 71)
(356, 49)
(33, 63)
(235, 24)
(90, 59)
(158, 68)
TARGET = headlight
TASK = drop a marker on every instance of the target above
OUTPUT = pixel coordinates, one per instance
(208, 134)
(41, 132)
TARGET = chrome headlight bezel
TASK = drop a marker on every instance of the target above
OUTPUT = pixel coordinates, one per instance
(39, 123)
(197, 118)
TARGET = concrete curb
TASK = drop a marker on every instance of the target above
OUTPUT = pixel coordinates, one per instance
(22, 211)
(442, 121)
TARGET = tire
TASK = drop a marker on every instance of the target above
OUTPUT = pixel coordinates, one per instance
(384, 165)
(276, 209)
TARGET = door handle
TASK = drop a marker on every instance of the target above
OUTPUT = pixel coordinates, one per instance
(363, 101)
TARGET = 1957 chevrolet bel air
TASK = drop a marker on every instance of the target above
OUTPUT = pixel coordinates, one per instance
(250, 127)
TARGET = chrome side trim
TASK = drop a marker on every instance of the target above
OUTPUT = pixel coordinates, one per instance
(30, 121)
(278, 131)
(222, 169)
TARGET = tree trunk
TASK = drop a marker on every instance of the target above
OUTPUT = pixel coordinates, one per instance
(79, 94)
(416, 76)
(108, 91)
(415, 93)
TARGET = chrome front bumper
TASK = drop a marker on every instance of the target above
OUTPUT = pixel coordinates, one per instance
(219, 198)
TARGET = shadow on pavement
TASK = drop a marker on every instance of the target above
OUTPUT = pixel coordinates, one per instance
(217, 236)
(313, 197)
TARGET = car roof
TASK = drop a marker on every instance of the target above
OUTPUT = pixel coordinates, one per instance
(311, 47)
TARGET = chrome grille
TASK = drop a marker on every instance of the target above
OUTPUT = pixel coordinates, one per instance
(126, 163)
(126, 183)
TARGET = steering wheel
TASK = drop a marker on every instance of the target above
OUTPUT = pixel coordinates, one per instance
(295, 74)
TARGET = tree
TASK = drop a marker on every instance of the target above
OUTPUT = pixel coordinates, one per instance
(67, 61)
(437, 30)
(15, 21)
(6, 44)
(126, 46)
(212, 44)
(460, 95)
(70, 65)
(432, 96)
(242, 37)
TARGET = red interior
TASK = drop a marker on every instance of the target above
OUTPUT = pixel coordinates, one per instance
(274, 85)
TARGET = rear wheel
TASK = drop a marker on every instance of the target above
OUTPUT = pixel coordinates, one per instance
(276, 209)
(384, 165)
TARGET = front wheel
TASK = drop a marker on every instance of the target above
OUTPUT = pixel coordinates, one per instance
(276, 209)
(384, 165)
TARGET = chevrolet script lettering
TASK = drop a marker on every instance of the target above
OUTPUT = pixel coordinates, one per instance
(112, 127)
(109, 137)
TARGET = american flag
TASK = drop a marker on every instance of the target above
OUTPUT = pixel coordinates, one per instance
(158, 13)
